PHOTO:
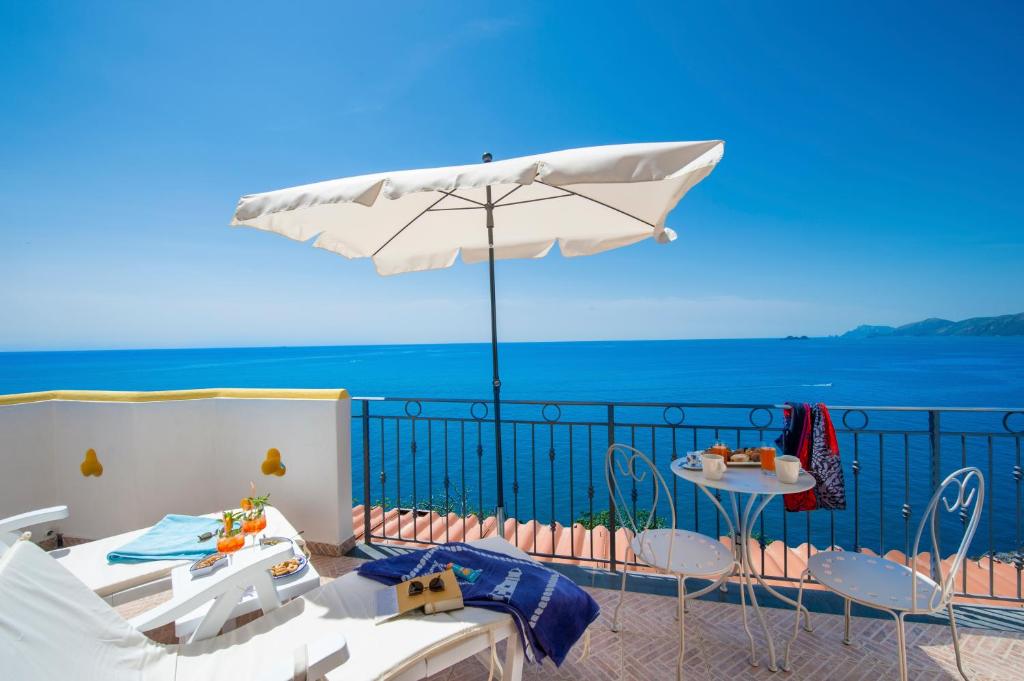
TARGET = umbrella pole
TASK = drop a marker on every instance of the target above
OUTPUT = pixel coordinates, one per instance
(500, 509)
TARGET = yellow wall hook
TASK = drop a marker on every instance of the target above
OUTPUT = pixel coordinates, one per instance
(272, 464)
(91, 464)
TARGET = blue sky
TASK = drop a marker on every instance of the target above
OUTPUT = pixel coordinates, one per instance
(872, 170)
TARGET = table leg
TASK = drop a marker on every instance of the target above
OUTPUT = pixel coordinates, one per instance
(760, 578)
(748, 572)
(735, 533)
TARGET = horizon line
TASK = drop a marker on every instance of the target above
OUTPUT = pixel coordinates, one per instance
(455, 343)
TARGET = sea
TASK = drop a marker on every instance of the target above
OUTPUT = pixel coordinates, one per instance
(553, 454)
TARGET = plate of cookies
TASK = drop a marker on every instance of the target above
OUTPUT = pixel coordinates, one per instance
(287, 568)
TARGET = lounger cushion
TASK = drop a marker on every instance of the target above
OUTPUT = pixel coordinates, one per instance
(52, 626)
(345, 607)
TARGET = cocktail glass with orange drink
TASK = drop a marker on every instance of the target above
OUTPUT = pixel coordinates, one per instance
(254, 507)
(230, 538)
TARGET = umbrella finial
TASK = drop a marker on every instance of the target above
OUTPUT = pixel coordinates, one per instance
(487, 157)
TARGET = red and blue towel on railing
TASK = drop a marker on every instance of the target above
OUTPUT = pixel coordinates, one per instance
(550, 611)
(809, 435)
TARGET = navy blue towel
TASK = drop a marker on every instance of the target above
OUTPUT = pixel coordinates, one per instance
(549, 610)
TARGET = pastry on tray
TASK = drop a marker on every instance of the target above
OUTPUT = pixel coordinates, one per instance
(744, 455)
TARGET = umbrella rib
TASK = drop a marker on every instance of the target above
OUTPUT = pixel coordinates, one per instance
(456, 196)
(508, 193)
(600, 203)
(543, 198)
(421, 214)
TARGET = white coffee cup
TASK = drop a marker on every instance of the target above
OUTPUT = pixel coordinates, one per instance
(787, 468)
(714, 466)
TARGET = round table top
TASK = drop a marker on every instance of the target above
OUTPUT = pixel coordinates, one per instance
(745, 480)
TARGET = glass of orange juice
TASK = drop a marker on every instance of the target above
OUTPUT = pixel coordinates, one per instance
(767, 453)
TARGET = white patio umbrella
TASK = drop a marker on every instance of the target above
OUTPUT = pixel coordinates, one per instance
(588, 200)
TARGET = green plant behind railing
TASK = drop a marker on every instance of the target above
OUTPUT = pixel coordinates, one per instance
(437, 502)
(604, 518)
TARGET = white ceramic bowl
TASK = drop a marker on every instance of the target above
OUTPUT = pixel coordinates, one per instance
(217, 564)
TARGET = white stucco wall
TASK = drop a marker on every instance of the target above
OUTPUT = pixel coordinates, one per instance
(185, 454)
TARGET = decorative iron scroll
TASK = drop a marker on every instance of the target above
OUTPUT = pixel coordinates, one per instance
(846, 416)
(549, 419)
(473, 411)
(673, 422)
(766, 424)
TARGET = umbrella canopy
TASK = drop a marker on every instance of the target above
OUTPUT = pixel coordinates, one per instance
(588, 200)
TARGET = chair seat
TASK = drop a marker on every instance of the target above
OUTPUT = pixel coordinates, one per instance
(693, 555)
(873, 580)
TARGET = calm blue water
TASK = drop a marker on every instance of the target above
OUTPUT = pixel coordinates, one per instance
(978, 372)
(905, 371)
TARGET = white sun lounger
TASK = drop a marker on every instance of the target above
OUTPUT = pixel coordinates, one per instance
(11, 528)
(53, 626)
(117, 583)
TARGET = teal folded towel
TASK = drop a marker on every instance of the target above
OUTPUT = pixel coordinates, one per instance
(176, 537)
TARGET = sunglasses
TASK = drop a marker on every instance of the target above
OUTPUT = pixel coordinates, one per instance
(416, 587)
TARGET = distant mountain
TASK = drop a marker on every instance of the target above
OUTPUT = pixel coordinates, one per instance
(933, 326)
(869, 331)
(1003, 325)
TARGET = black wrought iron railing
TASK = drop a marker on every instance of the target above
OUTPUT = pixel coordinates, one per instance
(429, 465)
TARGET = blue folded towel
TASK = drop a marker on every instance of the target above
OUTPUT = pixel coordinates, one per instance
(176, 537)
(550, 611)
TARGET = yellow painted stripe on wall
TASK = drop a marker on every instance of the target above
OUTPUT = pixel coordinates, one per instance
(172, 395)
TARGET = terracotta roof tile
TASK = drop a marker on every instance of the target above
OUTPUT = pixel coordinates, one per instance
(406, 527)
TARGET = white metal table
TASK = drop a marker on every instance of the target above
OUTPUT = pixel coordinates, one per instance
(760, 489)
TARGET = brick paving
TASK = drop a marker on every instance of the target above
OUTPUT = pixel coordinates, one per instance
(717, 646)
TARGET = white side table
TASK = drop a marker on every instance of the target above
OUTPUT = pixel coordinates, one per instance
(760, 489)
(183, 585)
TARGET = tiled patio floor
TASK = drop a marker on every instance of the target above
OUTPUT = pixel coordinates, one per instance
(717, 646)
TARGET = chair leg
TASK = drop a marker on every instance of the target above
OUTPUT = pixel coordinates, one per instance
(846, 621)
(622, 595)
(743, 612)
(796, 622)
(956, 642)
(901, 641)
(680, 607)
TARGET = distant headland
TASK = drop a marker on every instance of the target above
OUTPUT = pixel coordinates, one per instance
(1003, 325)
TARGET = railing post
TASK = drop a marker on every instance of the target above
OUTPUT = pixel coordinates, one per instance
(935, 457)
(935, 447)
(612, 515)
(366, 471)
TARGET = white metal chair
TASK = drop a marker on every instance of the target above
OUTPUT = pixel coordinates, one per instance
(677, 552)
(899, 589)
